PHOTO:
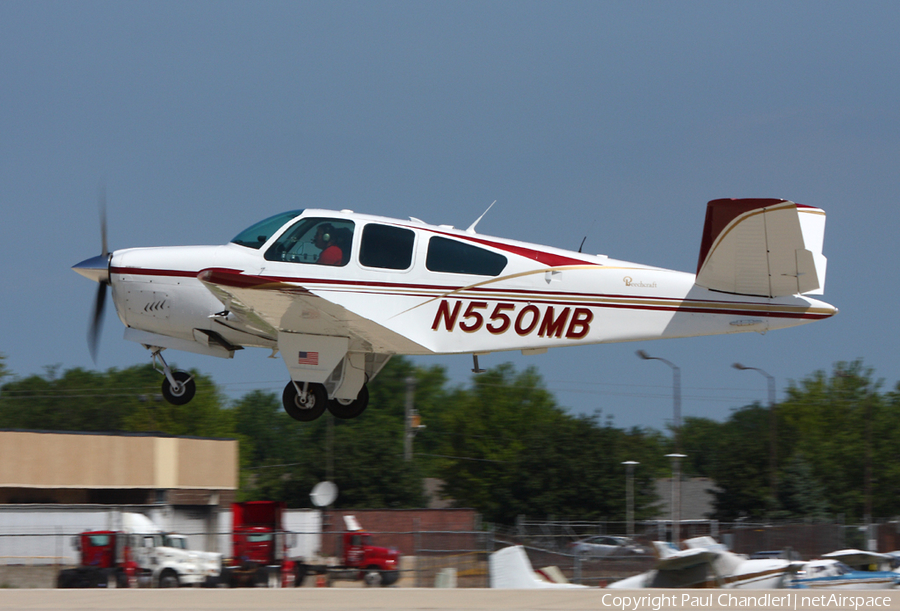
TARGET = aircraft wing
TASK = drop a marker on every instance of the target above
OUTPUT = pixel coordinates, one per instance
(762, 247)
(855, 557)
(686, 559)
(273, 305)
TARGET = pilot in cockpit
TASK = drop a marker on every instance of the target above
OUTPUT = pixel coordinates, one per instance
(326, 241)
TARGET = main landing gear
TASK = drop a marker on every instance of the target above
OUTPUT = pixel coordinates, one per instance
(306, 401)
(178, 387)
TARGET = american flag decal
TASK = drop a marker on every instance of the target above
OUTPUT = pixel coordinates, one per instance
(308, 358)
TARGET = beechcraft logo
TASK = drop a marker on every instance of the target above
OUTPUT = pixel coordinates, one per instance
(308, 358)
(629, 281)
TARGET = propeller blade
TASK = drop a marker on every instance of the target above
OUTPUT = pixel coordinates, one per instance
(97, 320)
(97, 268)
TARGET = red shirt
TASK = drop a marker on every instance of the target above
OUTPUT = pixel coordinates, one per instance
(331, 256)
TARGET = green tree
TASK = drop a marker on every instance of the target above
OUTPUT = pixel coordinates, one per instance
(701, 441)
(511, 451)
(287, 458)
(800, 495)
(740, 467)
(829, 420)
(114, 400)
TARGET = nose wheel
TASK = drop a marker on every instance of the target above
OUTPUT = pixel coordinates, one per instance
(182, 391)
(305, 403)
(178, 387)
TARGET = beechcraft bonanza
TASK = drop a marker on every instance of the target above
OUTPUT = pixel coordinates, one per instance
(338, 293)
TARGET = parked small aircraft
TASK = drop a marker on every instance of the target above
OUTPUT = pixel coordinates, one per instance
(832, 573)
(706, 563)
(338, 293)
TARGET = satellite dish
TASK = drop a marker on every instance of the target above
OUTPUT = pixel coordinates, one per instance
(323, 494)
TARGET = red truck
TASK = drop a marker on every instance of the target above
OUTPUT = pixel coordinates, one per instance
(260, 547)
(362, 561)
(101, 566)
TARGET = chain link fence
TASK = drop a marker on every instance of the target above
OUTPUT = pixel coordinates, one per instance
(430, 556)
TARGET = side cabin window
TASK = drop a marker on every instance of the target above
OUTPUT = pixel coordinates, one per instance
(454, 257)
(386, 247)
(319, 241)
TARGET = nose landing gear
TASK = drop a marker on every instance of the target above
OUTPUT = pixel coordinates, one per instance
(178, 387)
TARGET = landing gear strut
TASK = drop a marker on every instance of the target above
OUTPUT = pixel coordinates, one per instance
(178, 387)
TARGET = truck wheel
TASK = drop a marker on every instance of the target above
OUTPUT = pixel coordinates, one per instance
(211, 581)
(300, 571)
(372, 577)
(274, 578)
(169, 579)
(64, 579)
(389, 578)
(112, 580)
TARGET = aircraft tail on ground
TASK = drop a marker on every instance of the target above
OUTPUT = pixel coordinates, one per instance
(762, 247)
(511, 569)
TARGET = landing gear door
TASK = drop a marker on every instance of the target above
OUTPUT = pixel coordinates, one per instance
(311, 358)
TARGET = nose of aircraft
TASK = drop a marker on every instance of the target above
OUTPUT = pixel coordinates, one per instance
(95, 268)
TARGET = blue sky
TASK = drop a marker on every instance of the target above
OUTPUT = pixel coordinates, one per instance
(614, 120)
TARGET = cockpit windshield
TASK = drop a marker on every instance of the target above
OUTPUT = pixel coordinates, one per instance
(256, 235)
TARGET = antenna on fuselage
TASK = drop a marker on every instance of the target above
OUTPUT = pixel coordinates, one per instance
(471, 228)
(580, 246)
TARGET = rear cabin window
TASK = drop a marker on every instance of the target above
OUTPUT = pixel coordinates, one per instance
(386, 247)
(456, 257)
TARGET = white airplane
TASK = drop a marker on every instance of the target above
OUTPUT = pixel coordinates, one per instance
(510, 569)
(831, 573)
(338, 293)
(706, 563)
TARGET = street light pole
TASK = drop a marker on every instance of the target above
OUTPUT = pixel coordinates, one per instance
(676, 496)
(773, 456)
(408, 430)
(677, 455)
(676, 394)
(629, 495)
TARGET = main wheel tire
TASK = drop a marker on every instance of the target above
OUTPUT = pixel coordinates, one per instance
(346, 410)
(312, 408)
(183, 392)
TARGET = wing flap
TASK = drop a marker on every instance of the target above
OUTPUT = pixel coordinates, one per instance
(762, 247)
(274, 306)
